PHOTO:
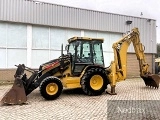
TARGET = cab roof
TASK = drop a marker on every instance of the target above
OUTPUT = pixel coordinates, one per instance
(84, 38)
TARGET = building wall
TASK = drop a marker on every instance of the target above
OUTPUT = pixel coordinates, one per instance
(33, 45)
(132, 68)
(31, 12)
(133, 64)
(32, 33)
(13, 44)
(7, 75)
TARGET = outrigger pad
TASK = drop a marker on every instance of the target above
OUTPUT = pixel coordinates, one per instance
(151, 80)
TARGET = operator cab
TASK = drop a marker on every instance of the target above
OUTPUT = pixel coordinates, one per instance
(85, 51)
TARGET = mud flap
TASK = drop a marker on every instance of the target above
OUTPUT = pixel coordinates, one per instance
(151, 80)
(16, 94)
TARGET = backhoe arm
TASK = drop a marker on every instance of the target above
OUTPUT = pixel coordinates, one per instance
(139, 50)
(118, 68)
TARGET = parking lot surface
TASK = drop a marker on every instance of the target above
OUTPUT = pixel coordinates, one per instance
(74, 105)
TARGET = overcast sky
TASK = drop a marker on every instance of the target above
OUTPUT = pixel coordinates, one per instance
(149, 8)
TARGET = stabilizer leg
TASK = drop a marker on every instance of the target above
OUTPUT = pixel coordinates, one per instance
(112, 90)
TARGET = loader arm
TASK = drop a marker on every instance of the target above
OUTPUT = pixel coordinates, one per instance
(118, 68)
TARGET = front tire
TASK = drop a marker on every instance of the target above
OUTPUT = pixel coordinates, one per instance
(51, 88)
(94, 81)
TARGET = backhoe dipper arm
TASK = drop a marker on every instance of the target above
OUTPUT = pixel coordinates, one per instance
(118, 68)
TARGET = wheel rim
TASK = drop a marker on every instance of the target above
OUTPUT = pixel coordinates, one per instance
(96, 82)
(52, 88)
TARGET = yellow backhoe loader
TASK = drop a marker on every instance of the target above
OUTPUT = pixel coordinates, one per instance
(82, 67)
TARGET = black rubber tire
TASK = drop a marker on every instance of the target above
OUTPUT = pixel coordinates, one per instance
(44, 84)
(85, 81)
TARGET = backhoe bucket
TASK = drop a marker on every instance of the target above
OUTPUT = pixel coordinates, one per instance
(151, 80)
(16, 95)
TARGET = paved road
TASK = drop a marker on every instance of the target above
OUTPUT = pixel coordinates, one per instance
(74, 105)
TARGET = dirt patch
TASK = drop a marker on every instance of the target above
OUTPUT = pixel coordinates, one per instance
(5, 82)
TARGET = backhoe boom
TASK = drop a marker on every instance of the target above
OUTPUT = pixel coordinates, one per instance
(118, 68)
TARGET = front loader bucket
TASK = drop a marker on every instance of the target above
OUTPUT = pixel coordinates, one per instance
(16, 95)
(151, 80)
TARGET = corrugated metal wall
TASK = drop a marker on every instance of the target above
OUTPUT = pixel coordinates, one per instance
(62, 16)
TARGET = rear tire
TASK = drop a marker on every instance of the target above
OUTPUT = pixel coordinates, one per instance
(51, 88)
(94, 81)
